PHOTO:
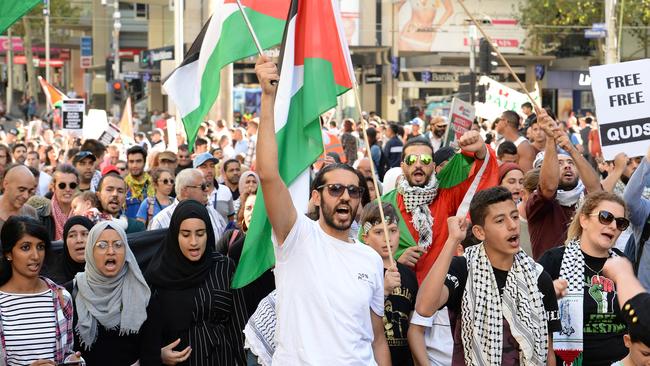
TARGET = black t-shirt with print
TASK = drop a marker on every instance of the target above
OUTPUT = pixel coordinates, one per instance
(603, 325)
(397, 314)
(455, 282)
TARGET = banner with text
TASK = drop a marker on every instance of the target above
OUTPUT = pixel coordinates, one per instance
(72, 111)
(461, 117)
(622, 97)
(500, 98)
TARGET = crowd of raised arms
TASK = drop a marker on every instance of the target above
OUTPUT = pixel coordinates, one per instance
(517, 244)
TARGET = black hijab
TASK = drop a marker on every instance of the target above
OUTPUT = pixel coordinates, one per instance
(170, 269)
(68, 266)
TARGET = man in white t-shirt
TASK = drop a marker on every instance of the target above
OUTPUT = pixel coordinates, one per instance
(330, 288)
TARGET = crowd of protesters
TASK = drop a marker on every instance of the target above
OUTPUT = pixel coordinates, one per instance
(516, 244)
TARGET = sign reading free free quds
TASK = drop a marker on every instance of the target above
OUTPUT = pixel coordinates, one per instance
(622, 97)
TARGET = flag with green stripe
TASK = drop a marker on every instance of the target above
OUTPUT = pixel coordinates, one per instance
(315, 69)
(224, 39)
(12, 10)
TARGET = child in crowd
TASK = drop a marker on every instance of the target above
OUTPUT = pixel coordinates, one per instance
(85, 204)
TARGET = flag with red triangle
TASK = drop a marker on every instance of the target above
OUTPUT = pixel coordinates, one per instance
(54, 96)
(126, 123)
(315, 69)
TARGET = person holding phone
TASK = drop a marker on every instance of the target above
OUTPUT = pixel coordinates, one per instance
(196, 309)
(35, 313)
(110, 299)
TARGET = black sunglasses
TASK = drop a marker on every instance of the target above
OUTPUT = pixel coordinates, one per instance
(63, 185)
(167, 181)
(336, 190)
(606, 218)
(203, 186)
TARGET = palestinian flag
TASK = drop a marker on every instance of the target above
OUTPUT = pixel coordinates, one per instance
(53, 95)
(194, 85)
(126, 123)
(11, 11)
(315, 69)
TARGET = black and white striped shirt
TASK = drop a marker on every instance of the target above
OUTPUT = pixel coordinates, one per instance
(28, 326)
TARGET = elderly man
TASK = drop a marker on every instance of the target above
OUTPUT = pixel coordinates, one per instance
(18, 184)
(190, 185)
(220, 197)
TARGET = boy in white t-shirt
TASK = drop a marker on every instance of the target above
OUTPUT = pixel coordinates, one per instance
(330, 289)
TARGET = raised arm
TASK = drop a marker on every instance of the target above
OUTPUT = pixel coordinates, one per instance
(639, 206)
(587, 173)
(526, 156)
(620, 161)
(433, 293)
(549, 175)
(279, 207)
(620, 270)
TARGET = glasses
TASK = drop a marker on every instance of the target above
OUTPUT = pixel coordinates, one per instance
(336, 190)
(64, 185)
(425, 159)
(203, 186)
(606, 218)
(103, 245)
(167, 181)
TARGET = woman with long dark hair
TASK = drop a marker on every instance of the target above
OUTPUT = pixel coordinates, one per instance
(198, 311)
(111, 298)
(35, 313)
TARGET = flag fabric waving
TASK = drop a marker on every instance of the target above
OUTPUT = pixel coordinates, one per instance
(126, 123)
(315, 69)
(194, 85)
(11, 11)
(54, 96)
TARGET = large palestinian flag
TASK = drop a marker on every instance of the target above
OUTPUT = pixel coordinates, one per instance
(12, 10)
(315, 69)
(53, 95)
(194, 85)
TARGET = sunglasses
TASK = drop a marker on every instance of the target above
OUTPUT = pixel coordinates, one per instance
(167, 181)
(203, 186)
(336, 190)
(411, 159)
(63, 185)
(606, 218)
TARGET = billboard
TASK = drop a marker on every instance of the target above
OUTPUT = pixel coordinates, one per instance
(350, 17)
(442, 25)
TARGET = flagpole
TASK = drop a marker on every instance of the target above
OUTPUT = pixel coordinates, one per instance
(252, 32)
(496, 49)
(364, 126)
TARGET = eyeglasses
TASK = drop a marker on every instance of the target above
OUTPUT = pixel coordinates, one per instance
(63, 185)
(103, 245)
(167, 181)
(411, 159)
(203, 186)
(336, 190)
(606, 218)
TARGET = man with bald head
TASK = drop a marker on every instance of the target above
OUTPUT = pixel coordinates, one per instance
(18, 185)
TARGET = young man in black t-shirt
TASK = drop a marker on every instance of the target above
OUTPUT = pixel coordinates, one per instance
(400, 284)
(502, 304)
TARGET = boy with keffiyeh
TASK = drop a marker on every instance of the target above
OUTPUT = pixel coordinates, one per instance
(502, 304)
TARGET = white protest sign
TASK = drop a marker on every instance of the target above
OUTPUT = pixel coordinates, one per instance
(622, 97)
(72, 112)
(96, 124)
(461, 117)
(500, 98)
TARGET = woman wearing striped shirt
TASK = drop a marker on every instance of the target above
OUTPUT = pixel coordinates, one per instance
(35, 313)
(190, 284)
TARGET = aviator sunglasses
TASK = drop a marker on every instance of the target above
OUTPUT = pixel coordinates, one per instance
(336, 190)
(606, 218)
(411, 159)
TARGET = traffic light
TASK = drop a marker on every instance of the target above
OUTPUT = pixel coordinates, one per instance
(467, 87)
(118, 91)
(487, 57)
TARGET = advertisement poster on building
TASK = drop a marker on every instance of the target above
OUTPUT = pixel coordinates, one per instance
(622, 97)
(500, 98)
(441, 25)
(564, 103)
(461, 117)
(350, 18)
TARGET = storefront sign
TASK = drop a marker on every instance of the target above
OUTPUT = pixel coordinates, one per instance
(622, 97)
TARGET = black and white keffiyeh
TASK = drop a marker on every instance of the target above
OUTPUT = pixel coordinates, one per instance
(483, 310)
(260, 330)
(417, 200)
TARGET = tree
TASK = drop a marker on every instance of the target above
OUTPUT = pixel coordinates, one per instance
(554, 24)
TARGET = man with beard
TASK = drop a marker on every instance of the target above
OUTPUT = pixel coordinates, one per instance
(231, 174)
(508, 127)
(438, 129)
(111, 193)
(425, 199)
(565, 177)
(18, 184)
(219, 196)
(55, 212)
(330, 288)
(139, 183)
(84, 162)
(19, 152)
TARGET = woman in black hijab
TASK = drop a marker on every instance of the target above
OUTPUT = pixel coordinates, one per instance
(62, 268)
(200, 318)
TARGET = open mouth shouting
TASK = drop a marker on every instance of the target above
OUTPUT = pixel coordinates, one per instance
(34, 267)
(343, 212)
(513, 240)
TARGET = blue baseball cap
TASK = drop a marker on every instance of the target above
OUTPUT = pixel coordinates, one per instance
(203, 158)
